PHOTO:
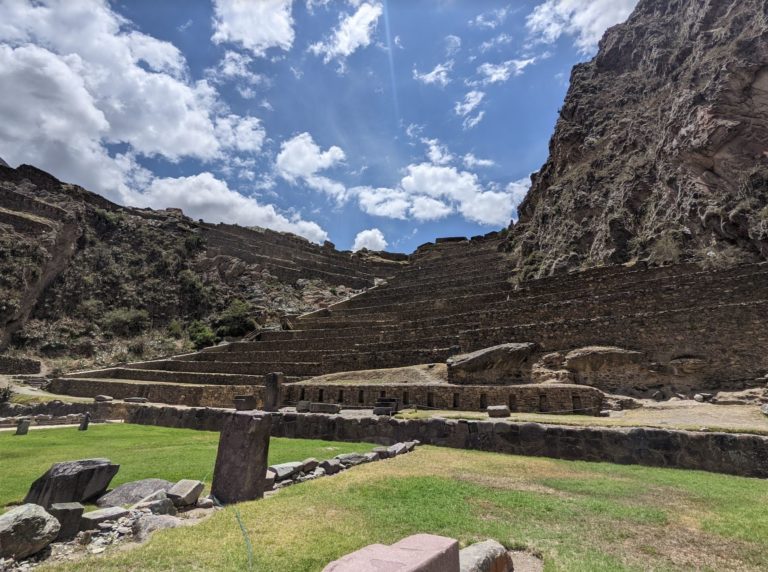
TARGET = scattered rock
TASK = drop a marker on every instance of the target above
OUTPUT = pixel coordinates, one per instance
(488, 556)
(186, 492)
(383, 452)
(72, 481)
(26, 530)
(396, 449)
(498, 411)
(133, 492)
(309, 465)
(331, 466)
(269, 479)
(102, 398)
(92, 520)
(351, 459)
(157, 503)
(136, 400)
(149, 523)
(285, 471)
(205, 503)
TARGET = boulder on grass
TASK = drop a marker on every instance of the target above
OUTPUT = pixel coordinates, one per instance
(72, 481)
(186, 492)
(488, 556)
(498, 411)
(144, 526)
(133, 492)
(285, 471)
(26, 530)
(156, 503)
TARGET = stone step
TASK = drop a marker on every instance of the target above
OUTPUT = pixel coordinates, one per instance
(188, 377)
(299, 369)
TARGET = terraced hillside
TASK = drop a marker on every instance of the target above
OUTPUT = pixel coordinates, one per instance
(630, 330)
(80, 275)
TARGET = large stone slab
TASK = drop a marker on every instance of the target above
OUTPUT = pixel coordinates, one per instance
(505, 364)
(241, 461)
(418, 553)
(147, 524)
(488, 556)
(498, 411)
(331, 408)
(285, 471)
(72, 481)
(91, 520)
(133, 492)
(26, 530)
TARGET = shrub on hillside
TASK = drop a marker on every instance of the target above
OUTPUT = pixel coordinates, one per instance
(201, 335)
(175, 330)
(235, 321)
(125, 321)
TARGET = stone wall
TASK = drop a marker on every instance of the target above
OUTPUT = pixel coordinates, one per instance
(18, 366)
(734, 454)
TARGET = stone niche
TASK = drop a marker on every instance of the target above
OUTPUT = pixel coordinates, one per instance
(505, 364)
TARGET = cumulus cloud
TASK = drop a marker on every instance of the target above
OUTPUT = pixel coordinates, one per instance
(353, 32)
(440, 75)
(235, 66)
(437, 152)
(204, 196)
(427, 208)
(372, 239)
(491, 19)
(75, 78)
(257, 26)
(301, 159)
(466, 107)
(585, 20)
(386, 202)
(497, 73)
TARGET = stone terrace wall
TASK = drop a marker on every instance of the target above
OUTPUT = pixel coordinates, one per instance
(734, 454)
(18, 366)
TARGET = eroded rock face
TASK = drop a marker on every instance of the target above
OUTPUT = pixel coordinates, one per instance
(660, 151)
(26, 530)
(498, 365)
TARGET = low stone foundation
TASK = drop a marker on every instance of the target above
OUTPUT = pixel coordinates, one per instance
(734, 454)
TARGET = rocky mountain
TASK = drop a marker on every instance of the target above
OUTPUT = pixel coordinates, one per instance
(660, 153)
(83, 277)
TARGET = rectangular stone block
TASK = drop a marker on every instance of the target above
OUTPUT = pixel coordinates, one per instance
(330, 408)
(498, 411)
(417, 553)
(245, 402)
(91, 520)
(241, 461)
(185, 492)
(68, 514)
(23, 427)
(303, 406)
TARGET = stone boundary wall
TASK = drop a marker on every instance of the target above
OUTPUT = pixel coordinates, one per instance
(733, 454)
(18, 366)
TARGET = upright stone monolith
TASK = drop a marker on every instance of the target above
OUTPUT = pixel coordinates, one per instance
(273, 383)
(22, 428)
(241, 462)
(85, 422)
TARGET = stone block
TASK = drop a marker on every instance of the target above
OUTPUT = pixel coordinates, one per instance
(396, 449)
(241, 460)
(331, 466)
(269, 480)
(26, 530)
(103, 398)
(303, 406)
(245, 402)
(273, 383)
(498, 411)
(147, 524)
(136, 400)
(351, 459)
(309, 465)
(185, 492)
(383, 410)
(383, 452)
(91, 520)
(498, 365)
(157, 503)
(133, 492)
(330, 408)
(488, 556)
(72, 481)
(285, 471)
(68, 514)
(22, 428)
(418, 553)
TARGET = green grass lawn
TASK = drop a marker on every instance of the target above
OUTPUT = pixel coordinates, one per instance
(141, 451)
(578, 516)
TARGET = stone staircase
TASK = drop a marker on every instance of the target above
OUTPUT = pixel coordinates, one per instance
(458, 297)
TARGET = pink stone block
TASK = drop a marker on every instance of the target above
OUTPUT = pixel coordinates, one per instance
(417, 553)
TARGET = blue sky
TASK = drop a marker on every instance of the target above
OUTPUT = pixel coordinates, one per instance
(368, 123)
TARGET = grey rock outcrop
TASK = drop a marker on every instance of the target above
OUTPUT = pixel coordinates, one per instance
(72, 481)
(498, 365)
(658, 154)
(488, 556)
(133, 492)
(147, 524)
(26, 530)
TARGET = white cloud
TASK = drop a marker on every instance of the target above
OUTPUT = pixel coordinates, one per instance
(471, 162)
(301, 159)
(518, 189)
(586, 20)
(437, 152)
(256, 25)
(204, 196)
(489, 207)
(372, 239)
(241, 133)
(502, 39)
(235, 66)
(452, 45)
(353, 32)
(496, 73)
(491, 19)
(427, 208)
(390, 203)
(439, 75)
(465, 108)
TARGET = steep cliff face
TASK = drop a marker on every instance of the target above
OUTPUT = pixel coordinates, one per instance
(661, 149)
